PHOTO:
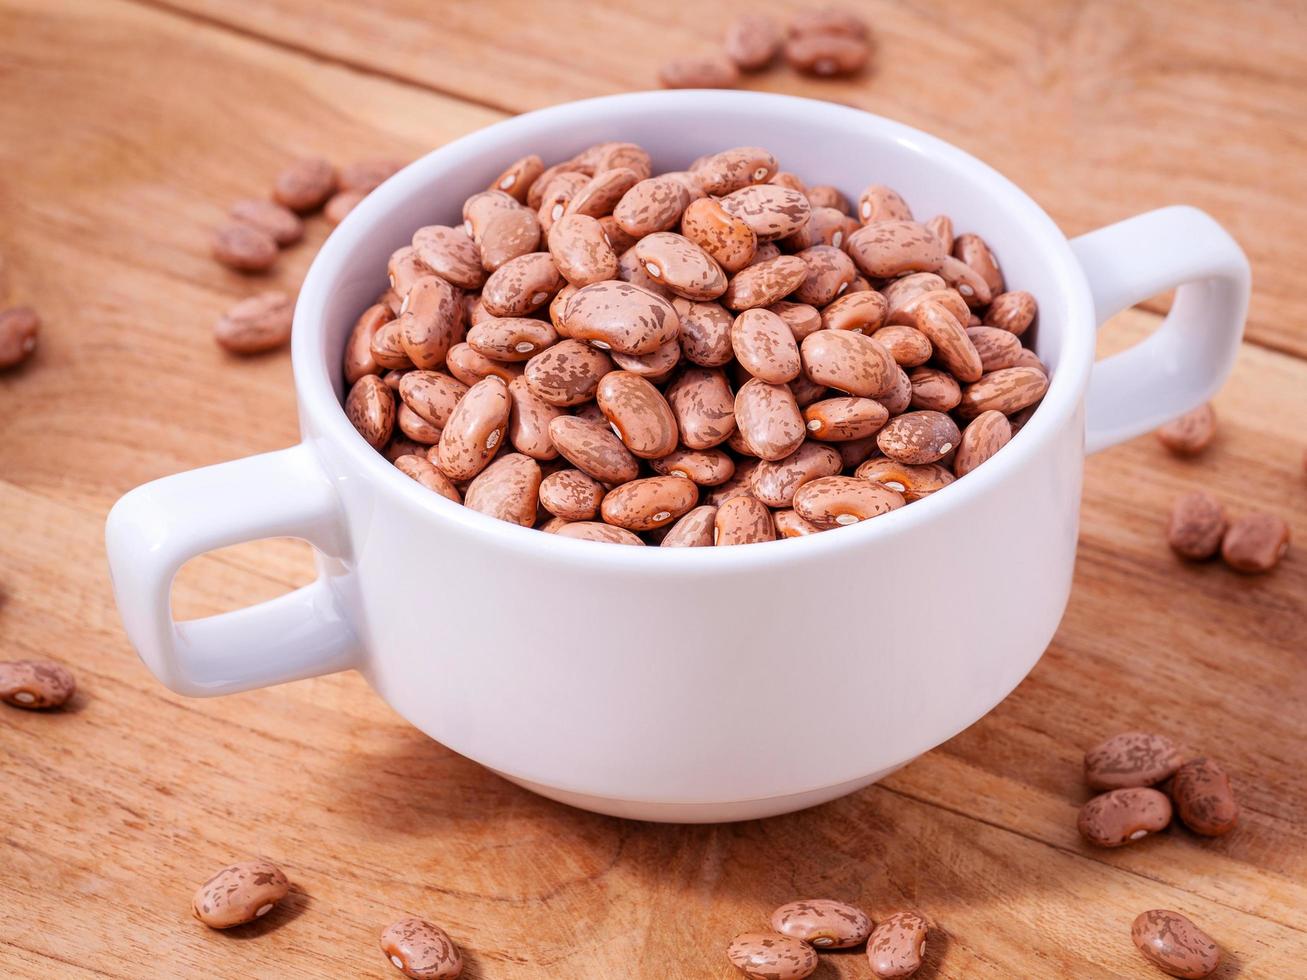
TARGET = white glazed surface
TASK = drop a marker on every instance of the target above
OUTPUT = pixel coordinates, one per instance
(686, 684)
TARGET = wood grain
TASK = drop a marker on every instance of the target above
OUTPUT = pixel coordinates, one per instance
(116, 809)
(1099, 110)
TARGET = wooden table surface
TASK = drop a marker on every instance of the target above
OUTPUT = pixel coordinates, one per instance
(126, 126)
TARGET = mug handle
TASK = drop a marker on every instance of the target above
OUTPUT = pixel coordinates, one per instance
(156, 528)
(1183, 363)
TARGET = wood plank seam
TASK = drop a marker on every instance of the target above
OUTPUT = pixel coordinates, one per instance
(362, 67)
(1071, 852)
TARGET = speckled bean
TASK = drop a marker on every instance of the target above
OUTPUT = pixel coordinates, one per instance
(622, 317)
(507, 235)
(823, 923)
(704, 407)
(528, 422)
(997, 348)
(742, 519)
(880, 203)
(511, 338)
(830, 272)
(240, 893)
(1123, 816)
(953, 348)
(897, 946)
(726, 237)
(709, 70)
(424, 472)
(1131, 759)
(598, 531)
(705, 467)
(769, 419)
(913, 482)
(593, 449)
(1174, 945)
(826, 55)
(1013, 312)
(649, 503)
(280, 223)
(966, 280)
(849, 361)
(1006, 391)
(765, 283)
(730, 170)
(470, 367)
(568, 373)
(1189, 434)
(693, 530)
(791, 525)
(256, 324)
(657, 367)
(774, 482)
(600, 194)
(752, 41)
(370, 407)
(984, 435)
(450, 254)
(557, 196)
(243, 247)
(843, 418)
(522, 285)
(1203, 798)
(1255, 543)
(1197, 525)
(305, 184)
(705, 337)
(934, 390)
(892, 248)
(35, 684)
(507, 489)
(639, 414)
(517, 178)
(801, 318)
(856, 313)
(581, 250)
(838, 500)
(972, 250)
(654, 204)
(941, 226)
(430, 321)
(571, 494)
(421, 950)
(475, 430)
(765, 347)
(770, 210)
(681, 265)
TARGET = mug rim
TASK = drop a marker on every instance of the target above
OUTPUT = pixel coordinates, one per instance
(323, 415)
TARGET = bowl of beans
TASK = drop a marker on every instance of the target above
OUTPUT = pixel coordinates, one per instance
(688, 455)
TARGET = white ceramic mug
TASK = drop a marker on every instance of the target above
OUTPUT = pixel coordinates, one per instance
(697, 684)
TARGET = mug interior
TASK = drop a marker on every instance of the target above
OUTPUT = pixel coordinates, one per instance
(821, 142)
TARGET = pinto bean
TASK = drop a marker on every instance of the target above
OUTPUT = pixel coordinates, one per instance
(622, 317)
(638, 413)
(984, 435)
(765, 282)
(593, 449)
(742, 519)
(1123, 816)
(768, 418)
(774, 482)
(475, 430)
(704, 407)
(844, 418)
(834, 501)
